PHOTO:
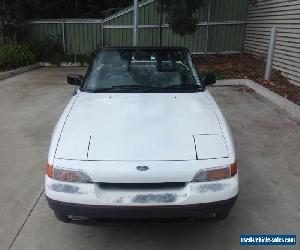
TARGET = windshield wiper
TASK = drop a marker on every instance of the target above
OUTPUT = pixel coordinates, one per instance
(182, 87)
(147, 88)
(124, 88)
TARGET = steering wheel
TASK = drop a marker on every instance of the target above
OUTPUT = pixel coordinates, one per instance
(116, 73)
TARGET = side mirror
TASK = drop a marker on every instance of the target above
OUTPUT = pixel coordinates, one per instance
(75, 79)
(209, 79)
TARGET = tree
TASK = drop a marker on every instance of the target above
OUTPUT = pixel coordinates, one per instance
(181, 14)
(71, 8)
(11, 20)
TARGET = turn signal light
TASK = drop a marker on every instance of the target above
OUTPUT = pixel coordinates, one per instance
(49, 170)
(233, 169)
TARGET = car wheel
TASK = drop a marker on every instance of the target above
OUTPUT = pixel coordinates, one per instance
(61, 217)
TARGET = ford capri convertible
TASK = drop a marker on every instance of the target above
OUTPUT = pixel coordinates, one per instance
(141, 138)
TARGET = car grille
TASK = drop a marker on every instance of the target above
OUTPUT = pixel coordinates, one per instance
(164, 185)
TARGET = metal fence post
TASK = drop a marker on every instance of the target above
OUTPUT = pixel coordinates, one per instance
(160, 23)
(102, 34)
(135, 36)
(269, 64)
(207, 28)
(63, 35)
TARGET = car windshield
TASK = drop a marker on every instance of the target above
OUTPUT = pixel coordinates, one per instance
(146, 70)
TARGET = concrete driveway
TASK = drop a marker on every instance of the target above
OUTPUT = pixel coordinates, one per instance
(268, 149)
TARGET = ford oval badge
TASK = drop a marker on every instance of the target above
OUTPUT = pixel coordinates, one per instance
(142, 168)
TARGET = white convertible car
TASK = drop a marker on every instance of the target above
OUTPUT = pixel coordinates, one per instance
(141, 138)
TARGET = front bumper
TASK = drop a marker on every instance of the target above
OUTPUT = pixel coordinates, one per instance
(204, 210)
(96, 201)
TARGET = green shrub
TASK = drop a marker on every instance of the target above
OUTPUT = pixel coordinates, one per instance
(12, 56)
(49, 49)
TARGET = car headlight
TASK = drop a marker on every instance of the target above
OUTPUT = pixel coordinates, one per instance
(215, 174)
(67, 175)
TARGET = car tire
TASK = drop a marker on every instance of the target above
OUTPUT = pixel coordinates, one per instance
(61, 217)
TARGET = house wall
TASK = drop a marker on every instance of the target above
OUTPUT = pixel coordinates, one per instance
(285, 16)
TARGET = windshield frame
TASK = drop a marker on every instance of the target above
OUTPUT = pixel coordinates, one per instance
(196, 87)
